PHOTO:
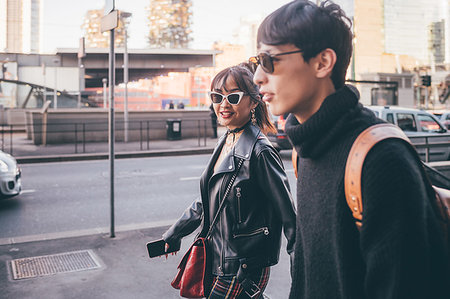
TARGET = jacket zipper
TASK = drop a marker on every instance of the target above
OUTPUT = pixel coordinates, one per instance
(222, 255)
(238, 195)
(264, 230)
(221, 251)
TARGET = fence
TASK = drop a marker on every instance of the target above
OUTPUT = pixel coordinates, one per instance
(84, 137)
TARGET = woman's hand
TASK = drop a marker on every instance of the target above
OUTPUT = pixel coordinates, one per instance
(166, 248)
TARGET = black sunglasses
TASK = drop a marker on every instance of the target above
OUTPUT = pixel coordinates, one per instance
(232, 98)
(265, 60)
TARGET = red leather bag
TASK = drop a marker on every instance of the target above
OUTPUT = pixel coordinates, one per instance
(193, 278)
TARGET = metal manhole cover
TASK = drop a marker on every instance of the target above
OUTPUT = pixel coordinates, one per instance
(53, 264)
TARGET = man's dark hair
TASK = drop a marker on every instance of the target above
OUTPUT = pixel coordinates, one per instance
(312, 29)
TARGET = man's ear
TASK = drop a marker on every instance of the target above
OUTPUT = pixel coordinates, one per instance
(324, 63)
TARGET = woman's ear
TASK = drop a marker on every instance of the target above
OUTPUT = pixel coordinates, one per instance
(324, 63)
(254, 104)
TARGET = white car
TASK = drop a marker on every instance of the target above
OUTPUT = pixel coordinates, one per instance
(10, 176)
(444, 117)
(421, 128)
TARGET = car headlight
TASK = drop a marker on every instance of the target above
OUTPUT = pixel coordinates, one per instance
(3, 166)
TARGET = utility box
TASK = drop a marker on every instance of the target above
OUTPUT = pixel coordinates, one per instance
(173, 129)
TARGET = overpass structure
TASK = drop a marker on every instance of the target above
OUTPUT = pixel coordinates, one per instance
(142, 63)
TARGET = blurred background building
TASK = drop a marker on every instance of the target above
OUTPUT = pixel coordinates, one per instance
(169, 23)
(94, 38)
(21, 26)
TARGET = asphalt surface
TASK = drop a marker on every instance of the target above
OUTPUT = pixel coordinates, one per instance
(83, 264)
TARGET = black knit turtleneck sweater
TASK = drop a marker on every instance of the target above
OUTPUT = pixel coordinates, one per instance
(399, 252)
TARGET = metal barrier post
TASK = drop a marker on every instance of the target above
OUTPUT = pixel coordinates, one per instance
(84, 138)
(204, 131)
(148, 134)
(76, 139)
(11, 139)
(427, 150)
(140, 133)
(3, 137)
(198, 127)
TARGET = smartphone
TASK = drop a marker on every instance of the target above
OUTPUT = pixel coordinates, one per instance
(157, 248)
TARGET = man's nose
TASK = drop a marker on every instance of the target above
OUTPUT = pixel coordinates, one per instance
(259, 78)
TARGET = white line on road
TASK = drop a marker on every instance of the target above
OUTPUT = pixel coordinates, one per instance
(192, 178)
(27, 191)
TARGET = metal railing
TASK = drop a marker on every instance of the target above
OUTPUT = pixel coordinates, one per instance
(81, 135)
(432, 142)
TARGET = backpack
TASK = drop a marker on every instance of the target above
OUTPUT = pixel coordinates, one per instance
(353, 170)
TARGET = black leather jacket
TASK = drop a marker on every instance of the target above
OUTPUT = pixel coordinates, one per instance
(259, 206)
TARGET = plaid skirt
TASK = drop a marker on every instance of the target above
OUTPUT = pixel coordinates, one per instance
(227, 287)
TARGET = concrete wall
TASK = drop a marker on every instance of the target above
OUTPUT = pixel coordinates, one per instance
(66, 78)
(67, 125)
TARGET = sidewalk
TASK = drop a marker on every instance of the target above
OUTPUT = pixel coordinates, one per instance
(124, 271)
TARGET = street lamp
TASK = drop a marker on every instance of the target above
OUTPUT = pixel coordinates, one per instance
(125, 19)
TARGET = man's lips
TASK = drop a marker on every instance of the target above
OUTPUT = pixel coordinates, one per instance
(267, 97)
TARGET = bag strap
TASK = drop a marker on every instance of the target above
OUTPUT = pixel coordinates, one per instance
(353, 169)
(222, 204)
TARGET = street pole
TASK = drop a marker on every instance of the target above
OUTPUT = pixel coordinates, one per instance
(81, 54)
(108, 23)
(125, 79)
(112, 80)
(55, 95)
(125, 16)
(80, 82)
(45, 83)
(105, 94)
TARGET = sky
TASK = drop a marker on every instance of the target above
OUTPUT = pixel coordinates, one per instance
(212, 20)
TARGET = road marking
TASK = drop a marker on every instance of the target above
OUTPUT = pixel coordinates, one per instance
(27, 191)
(191, 178)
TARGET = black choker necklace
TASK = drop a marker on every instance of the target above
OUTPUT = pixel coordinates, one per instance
(237, 130)
(234, 131)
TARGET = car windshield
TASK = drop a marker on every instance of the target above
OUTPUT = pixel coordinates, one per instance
(428, 124)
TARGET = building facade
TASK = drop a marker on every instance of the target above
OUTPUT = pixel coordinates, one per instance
(21, 26)
(169, 23)
(94, 37)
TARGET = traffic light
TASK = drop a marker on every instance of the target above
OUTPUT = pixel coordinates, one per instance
(426, 80)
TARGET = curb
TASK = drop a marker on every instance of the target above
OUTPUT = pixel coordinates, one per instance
(122, 155)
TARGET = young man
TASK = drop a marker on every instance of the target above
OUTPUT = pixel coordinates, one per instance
(304, 51)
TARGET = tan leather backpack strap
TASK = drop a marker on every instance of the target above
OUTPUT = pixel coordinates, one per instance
(353, 169)
(294, 158)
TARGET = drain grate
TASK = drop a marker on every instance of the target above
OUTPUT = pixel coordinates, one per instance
(53, 264)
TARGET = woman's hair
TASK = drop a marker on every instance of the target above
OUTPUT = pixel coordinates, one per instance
(312, 29)
(242, 75)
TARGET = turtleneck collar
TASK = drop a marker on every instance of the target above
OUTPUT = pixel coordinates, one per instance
(313, 137)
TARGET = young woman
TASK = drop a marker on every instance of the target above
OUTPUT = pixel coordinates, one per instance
(246, 239)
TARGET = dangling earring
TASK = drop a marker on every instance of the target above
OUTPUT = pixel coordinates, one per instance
(253, 116)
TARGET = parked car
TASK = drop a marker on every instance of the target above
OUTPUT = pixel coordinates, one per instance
(10, 176)
(421, 127)
(444, 117)
(279, 140)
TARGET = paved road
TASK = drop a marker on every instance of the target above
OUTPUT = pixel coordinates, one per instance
(74, 196)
